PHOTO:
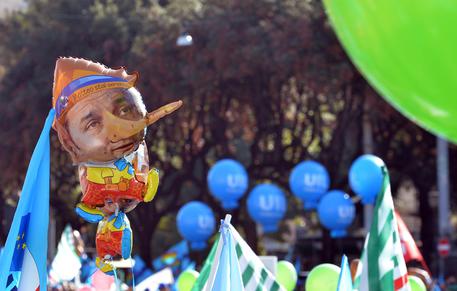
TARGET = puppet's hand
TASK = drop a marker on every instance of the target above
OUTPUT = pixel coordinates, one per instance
(152, 185)
(141, 163)
(141, 175)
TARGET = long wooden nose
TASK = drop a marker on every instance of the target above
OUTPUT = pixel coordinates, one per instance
(163, 111)
(119, 128)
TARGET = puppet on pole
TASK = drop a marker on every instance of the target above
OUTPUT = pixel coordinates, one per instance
(101, 122)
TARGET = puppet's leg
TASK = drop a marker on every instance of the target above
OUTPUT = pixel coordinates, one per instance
(89, 214)
(121, 226)
(152, 185)
(127, 241)
(108, 241)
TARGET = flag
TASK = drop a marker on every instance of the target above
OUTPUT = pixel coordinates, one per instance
(23, 260)
(382, 266)
(143, 276)
(232, 265)
(409, 247)
(177, 258)
(153, 282)
(66, 265)
(345, 280)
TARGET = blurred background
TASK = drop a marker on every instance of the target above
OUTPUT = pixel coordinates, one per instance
(264, 82)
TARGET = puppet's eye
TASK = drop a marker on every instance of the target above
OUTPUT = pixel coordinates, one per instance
(124, 110)
(92, 124)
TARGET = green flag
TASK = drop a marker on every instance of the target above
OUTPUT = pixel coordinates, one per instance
(382, 266)
(254, 274)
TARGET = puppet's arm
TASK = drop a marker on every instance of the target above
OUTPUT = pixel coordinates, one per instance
(152, 185)
(82, 171)
(141, 163)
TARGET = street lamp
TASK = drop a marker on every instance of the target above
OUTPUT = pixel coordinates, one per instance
(184, 39)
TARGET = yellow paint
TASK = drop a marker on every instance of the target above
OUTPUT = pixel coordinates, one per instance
(98, 175)
(152, 185)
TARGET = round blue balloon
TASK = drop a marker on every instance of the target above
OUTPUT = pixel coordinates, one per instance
(309, 181)
(336, 212)
(196, 223)
(228, 181)
(366, 177)
(267, 205)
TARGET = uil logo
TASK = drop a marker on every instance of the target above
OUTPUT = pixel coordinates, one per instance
(315, 181)
(205, 222)
(345, 212)
(235, 181)
(270, 203)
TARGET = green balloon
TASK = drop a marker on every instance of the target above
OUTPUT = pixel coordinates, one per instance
(323, 277)
(286, 275)
(407, 50)
(416, 284)
(186, 280)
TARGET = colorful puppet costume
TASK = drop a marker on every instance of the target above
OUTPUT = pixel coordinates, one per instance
(101, 122)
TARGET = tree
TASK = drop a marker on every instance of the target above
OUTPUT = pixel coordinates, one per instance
(265, 82)
(267, 114)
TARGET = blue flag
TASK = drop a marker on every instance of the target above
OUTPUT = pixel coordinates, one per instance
(345, 280)
(23, 260)
(177, 258)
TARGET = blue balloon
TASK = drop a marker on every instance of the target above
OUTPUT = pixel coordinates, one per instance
(336, 212)
(196, 223)
(267, 205)
(366, 177)
(228, 181)
(309, 181)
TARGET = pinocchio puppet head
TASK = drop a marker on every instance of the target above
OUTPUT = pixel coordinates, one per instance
(100, 115)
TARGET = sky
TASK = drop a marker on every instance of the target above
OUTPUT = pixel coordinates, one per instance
(10, 5)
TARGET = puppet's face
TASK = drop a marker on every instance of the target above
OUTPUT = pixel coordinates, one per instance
(90, 124)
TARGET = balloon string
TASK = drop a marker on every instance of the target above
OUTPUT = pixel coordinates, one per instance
(133, 275)
(116, 280)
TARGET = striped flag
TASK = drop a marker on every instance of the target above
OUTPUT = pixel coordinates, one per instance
(23, 260)
(382, 266)
(232, 265)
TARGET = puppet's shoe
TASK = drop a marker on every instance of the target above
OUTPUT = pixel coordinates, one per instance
(126, 246)
(152, 185)
(104, 266)
(89, 214)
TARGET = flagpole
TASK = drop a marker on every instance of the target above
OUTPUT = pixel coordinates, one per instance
(443, 190)
(51, 235)
(227, 219)
(368, 148)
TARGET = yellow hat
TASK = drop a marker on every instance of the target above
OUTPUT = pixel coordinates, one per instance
(75, 79)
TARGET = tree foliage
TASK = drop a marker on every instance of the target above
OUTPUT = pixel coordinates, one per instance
(265, 82)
